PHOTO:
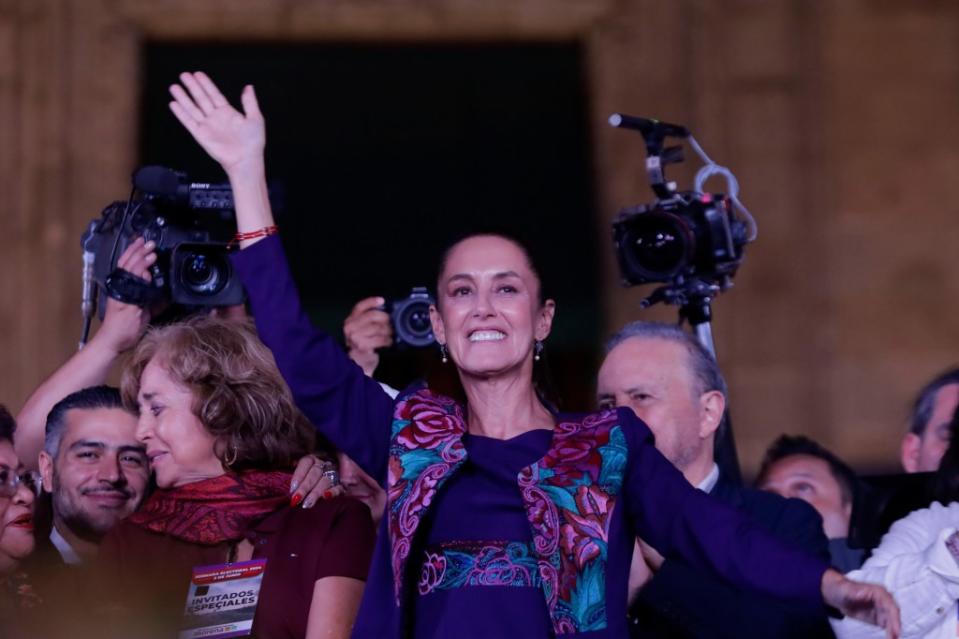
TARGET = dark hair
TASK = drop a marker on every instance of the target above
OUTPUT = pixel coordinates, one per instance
(532, 260)
(238, 393)
(791, 445)
(926, 400)
(86, 399)
(946, 488)
(8, 425)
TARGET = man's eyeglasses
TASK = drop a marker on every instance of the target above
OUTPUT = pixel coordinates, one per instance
(10, 481)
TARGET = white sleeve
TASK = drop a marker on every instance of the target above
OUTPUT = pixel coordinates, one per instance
(913, 564)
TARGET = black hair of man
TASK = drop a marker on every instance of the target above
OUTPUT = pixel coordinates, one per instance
(8, 424)
(947, 477)
(925, 401)
(86, 399)
(791, 445)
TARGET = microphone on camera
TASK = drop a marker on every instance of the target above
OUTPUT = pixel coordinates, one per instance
(88, 295)
(647, 127)
(159, 181)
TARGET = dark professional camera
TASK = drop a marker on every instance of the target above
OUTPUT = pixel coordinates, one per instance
(690, 240)
(191, 224)
(410, 317)
(687, 235)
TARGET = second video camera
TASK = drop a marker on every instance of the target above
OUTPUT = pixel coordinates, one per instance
(691, 240)
(191, 225)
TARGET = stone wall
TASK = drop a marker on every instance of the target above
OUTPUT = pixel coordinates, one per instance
(838, 118)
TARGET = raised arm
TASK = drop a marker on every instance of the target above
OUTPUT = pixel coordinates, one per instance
(679, 520)
(343, 403)
(122, 326)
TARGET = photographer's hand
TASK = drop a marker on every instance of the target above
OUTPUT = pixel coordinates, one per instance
(366, 329)
(236, 140)
(123, 324)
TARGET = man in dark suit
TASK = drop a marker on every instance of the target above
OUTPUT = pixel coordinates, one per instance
(675, 386)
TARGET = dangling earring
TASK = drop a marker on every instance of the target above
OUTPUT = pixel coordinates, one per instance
(443, 353)
(537, 349)
(232, 460)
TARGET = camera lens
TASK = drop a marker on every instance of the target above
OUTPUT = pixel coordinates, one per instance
(412, 324)
(657, 245)
(204, 273)
(415, 319)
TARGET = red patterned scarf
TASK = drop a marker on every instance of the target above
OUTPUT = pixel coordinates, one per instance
(213, 511)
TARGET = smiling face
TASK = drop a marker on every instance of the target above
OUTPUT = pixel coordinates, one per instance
(488, 311)
(16, 515)
(180, 449)
(100, 473)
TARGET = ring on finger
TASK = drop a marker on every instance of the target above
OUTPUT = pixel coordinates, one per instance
(333, 476)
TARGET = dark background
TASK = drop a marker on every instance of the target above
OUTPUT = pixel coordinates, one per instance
(385, 154)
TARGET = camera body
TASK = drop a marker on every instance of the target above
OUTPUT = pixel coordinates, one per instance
(191, 225)
(410, 317)
(688, 235)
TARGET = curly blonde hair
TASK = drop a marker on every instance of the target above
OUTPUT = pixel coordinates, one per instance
(238, 393)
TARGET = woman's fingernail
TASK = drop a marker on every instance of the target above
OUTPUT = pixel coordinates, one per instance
(296, 499)
(327, 494)
(293, 486)
(309, 503)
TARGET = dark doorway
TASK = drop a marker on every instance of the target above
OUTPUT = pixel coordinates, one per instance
(385, 153)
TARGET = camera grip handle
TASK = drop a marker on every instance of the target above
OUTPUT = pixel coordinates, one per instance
(126, 287)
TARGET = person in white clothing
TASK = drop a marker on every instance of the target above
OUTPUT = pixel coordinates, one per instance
(918, 562)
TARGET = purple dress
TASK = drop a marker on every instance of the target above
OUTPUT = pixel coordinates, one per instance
(527, 537)
(485, 559)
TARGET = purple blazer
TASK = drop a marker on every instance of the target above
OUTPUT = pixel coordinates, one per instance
(601, 484)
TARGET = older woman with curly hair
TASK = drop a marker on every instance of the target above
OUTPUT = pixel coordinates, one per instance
(222, 434)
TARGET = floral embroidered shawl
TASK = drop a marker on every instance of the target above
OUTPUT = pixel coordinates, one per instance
(569, 496)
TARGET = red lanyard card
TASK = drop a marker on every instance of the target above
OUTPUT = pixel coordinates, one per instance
(222, 600)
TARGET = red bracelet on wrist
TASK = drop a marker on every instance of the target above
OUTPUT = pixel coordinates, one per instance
(252, 235)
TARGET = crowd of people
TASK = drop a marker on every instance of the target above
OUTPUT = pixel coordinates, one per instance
(260, 456)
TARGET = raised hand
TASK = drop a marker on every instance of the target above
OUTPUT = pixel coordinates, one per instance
(230, 137)
(870, 603)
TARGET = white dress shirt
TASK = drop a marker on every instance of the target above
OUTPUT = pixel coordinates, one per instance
(709, 481)
(69, 555)
(913, 563)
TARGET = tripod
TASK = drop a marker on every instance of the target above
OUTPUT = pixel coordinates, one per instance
(694, 298)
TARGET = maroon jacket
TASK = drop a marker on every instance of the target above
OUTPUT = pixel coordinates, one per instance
(144, 575)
